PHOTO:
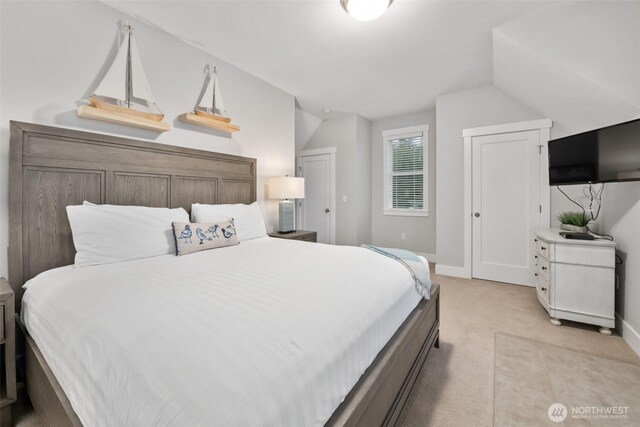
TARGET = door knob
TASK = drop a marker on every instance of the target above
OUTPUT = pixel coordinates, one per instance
(477, 214)
(327, 210)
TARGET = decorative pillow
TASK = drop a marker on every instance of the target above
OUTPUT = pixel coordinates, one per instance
(199, 236)
(248, 219)
(104, 234)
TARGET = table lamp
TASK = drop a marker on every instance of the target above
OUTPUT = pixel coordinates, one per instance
(286, 187)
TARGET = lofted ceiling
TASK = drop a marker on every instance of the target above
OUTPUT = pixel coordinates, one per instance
(312, 49)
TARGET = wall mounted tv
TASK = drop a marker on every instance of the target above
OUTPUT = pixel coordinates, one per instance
(609, 154)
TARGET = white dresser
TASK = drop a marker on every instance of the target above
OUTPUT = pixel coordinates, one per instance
(575, 279)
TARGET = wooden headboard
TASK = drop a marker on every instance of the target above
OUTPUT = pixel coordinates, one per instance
(51, 168)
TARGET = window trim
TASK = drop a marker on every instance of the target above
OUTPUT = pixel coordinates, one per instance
(387, 136)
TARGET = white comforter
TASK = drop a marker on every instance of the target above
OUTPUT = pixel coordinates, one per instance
(269, 332)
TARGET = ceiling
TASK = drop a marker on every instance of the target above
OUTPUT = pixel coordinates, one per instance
(312, 49)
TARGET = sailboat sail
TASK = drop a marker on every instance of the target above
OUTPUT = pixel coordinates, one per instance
(218, 103)
(112, 85)
(206, 97)
(126, 78)
(210, 100)
(139, 81)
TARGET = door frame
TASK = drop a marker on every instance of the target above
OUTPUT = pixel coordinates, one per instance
(331, 151)
(541, 125)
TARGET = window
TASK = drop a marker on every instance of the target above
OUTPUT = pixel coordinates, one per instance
(405, 171)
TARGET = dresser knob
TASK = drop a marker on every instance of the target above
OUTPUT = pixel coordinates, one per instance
(544, 289)
(535, 274)
(544, 268)
(543, 248)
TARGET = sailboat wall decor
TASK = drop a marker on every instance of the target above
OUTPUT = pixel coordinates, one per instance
(124, 87)
(209, 110)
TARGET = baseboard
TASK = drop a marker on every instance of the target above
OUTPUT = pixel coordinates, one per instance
(630, 335)
(429, 257)
(448, 270)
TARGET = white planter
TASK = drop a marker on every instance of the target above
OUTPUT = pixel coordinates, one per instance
(570, 227)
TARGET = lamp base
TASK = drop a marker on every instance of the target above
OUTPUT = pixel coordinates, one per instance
(286, 220)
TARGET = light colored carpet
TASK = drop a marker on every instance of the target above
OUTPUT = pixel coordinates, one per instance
(456, 386)
(530, 377)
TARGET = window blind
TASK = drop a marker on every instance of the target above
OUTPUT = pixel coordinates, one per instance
(405, 172)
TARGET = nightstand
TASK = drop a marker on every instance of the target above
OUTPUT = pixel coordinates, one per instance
(7, 352)
(305, 236)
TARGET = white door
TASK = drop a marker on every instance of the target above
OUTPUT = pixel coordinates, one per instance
(316, 210)
(506, 206)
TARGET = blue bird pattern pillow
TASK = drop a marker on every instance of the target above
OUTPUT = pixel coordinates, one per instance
(194, 237)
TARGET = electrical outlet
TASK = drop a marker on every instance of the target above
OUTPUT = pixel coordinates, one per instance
(403, 236)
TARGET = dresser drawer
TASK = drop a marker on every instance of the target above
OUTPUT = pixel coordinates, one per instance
(1, 322)
(543, 269)
(600, 256)
(545, 249)
(543, 289)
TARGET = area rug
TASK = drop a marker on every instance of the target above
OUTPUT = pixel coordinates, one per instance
(539, 384)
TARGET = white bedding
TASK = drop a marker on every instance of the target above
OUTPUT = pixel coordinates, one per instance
(269, 332)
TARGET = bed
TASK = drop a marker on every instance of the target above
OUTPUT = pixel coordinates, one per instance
(303, 339)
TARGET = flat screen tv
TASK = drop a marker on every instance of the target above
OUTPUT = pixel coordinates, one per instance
(609, 154)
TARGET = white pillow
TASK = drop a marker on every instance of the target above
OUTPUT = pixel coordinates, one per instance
(109, 233)
(248, 219)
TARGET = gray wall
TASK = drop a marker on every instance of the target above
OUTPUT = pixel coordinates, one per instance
(363, 178)
(306, 125)
(621, 219)
(473, 108)
(386, 230)
(54, 53)
(348, 133)
(569, 76)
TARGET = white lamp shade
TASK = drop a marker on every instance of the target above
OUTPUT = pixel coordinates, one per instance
(286, 187)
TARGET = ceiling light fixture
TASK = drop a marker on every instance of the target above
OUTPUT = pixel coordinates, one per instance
(365, 10)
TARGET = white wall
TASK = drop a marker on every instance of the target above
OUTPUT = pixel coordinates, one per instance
(349, 133)
(52, 54)
(386, 230)
(454, 112)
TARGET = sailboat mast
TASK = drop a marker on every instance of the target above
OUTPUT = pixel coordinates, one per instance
(129, 83)
(213, 105)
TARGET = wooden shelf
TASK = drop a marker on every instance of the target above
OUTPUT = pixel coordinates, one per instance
(89, 112)
(210, 123)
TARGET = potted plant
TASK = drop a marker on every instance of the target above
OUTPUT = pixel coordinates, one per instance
(574, 221)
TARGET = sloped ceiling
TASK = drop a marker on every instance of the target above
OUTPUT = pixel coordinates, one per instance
(315, 51)
(579, 65)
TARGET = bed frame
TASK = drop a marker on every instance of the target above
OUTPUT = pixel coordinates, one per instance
(51, 168)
